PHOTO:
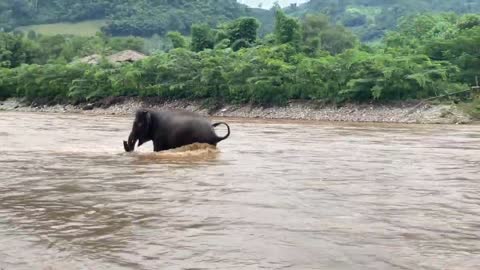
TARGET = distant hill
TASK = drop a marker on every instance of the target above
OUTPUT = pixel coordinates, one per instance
(371, 18)
(84, 28)
(124, 17)
(266, 4)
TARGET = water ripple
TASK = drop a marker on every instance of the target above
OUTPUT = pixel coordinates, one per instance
(276, 195)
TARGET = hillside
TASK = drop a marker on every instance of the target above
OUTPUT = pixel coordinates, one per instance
(124, 17)
(84, 28)
(266, 4)
(370, 19)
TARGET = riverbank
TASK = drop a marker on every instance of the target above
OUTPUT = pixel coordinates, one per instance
(405, 112)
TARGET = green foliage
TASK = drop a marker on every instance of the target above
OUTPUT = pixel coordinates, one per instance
(158, 17)
(287, 29)
(337, 39)
(83, 28)
(116, 44)
(428, 26)
(371, 19)
(244, 28)
(240, 33)
(15, 50)
(354, 19)
(178, 41)
(309, 59)
(34, 49)
(469, 21)
(461, 50)
(443, 37)
(125, 17)
(318, 34)
(202, 37)
(393, 76)
(7, 82)
(51, 81)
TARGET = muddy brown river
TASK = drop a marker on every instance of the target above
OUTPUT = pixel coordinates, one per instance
(275, 195)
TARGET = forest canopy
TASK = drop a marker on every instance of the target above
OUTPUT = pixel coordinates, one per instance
(368, 19)
(124, 17)
(371, 19)
(308, 58)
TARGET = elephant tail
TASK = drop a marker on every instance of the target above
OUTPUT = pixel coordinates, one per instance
(228, 130)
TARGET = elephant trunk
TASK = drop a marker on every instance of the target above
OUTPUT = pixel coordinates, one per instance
(130, 145)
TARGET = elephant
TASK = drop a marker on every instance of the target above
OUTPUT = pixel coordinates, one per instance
(172, 129)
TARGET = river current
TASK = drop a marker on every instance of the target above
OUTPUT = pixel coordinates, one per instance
(275, 195)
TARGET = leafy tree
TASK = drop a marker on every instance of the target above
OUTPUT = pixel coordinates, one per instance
(469, 21)
(462, 50)
(177, 39)
(318, 34)
(14, 51)
(354, 19)
(371, 19)
(312, 26)
(202, 37)
(287, 29)
(241, 32)
(314, 59)
(337, 39)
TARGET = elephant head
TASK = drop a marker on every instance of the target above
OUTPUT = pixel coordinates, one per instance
(140, 130)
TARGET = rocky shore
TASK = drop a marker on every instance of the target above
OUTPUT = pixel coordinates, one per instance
(406, 112)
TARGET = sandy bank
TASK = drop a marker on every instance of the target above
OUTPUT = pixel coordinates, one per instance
(391, 113)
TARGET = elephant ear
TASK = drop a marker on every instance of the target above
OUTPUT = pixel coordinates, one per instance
(143, 120)
(148, 119)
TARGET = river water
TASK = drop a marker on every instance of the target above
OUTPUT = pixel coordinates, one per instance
(275, 195)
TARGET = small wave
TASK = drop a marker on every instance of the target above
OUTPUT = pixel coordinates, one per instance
(187, 153)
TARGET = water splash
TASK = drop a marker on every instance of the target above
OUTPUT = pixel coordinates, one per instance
(188, 153)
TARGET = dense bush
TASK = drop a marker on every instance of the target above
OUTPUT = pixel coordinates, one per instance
(33, 49)
(124, 17)
(369, 19)
(298, 61)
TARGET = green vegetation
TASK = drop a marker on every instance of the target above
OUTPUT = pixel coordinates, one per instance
(85, 28)
(371, 19)
(17, 49)
(124, 17)
(429, 55)
(368, 19)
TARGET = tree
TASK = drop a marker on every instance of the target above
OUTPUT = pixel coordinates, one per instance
(469, 21)
(14, 51)
(242, 32)
(337, 40)
(177, 39)
(287, 29)
(312, 26)
(318, 34)
(202, 37)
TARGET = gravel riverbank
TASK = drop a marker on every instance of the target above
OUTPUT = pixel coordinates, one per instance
(390, 113)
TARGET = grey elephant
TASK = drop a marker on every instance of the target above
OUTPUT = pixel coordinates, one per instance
(169, 129)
